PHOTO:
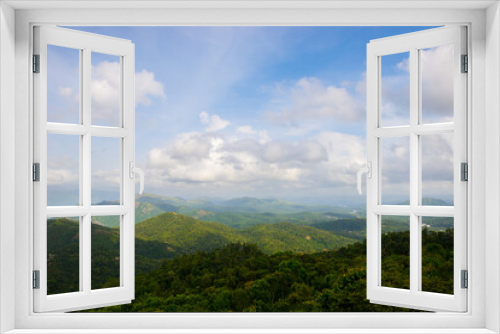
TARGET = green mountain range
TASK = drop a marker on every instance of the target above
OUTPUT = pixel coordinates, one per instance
(238, 213)
(192, 235)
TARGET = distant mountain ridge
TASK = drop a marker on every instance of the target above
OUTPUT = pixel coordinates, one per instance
(238, 212)
(429, 201)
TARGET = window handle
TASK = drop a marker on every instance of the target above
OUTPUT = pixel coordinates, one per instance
(365, 170)
(134, 170)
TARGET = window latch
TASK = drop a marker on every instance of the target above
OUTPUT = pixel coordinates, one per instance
(134, 170)
(365, 170)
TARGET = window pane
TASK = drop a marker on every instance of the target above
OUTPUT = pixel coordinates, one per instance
(437, 254)
(105, 90)
(395, 170)
(396, 251)
(106, 171)
(437, 84)
(395, 99)
(63, 85)
(105, 253)
(63, 170)
(437, 169)
(63, 255)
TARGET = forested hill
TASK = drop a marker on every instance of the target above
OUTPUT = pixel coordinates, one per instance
(189, 234)
(241, 278)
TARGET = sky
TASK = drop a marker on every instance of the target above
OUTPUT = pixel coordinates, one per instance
(267, 112)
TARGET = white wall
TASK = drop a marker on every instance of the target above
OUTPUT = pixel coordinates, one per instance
(7, 160)
(492, 164)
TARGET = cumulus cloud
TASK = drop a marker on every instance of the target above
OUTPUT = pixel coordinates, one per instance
(105, 91)
(437, 166)
(214, 122)
(437, 88)
(246, 129)
(211, 160)
(146, 87)
(437, 83)
(309, 98)
(65, 91)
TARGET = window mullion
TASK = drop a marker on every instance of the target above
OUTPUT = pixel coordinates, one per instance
(85, 236)
(414, 172)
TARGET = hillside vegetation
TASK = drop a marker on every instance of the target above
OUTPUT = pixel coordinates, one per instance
(63, 255)
(193, 235)
(242, 278)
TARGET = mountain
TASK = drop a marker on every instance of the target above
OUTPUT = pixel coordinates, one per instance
(186, 233)
(246, 219)
(351, 228)
(242, 278)
(238, 213)
(63, 255)
(250, 204)
(430, 201)
(192, 235)
(272, 238)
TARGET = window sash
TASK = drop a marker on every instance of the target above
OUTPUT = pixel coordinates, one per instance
(414, 298)
(86, 297)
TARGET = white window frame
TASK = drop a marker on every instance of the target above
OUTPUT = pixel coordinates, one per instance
(86, 44)
(482, 19)
(413, 43)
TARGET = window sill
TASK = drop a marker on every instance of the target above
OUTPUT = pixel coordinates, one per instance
(251, 331)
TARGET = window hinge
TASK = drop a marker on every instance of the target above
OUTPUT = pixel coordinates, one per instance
(36, 279)
(464, 171)
(465, 64)
(36, 63)
(36, 172)
(465, 279)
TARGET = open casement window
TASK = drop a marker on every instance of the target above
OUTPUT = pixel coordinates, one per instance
(416, 146)
(66, 136)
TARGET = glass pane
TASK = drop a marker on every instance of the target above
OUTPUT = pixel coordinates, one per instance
(395, 170)
(63, 255)
(63, 85)
(437, 84)
(437, 169)
(106, 171)
(395, 81)
(105, 89)
(396, 251)
(105, 253)
(63, 170)
(437, 254)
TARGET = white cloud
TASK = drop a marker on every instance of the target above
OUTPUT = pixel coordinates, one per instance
(106, 179)
(105, 91)
(214, 122)
(437, 89)
(61, 177)
(146, 86)
(437, 83)
(246, 129)
(309, 99)
(211, 160)
(65, 91)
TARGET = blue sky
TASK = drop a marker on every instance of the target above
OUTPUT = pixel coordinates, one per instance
(244, 111)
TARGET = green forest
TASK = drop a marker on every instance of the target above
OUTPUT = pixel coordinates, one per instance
(184, 264)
